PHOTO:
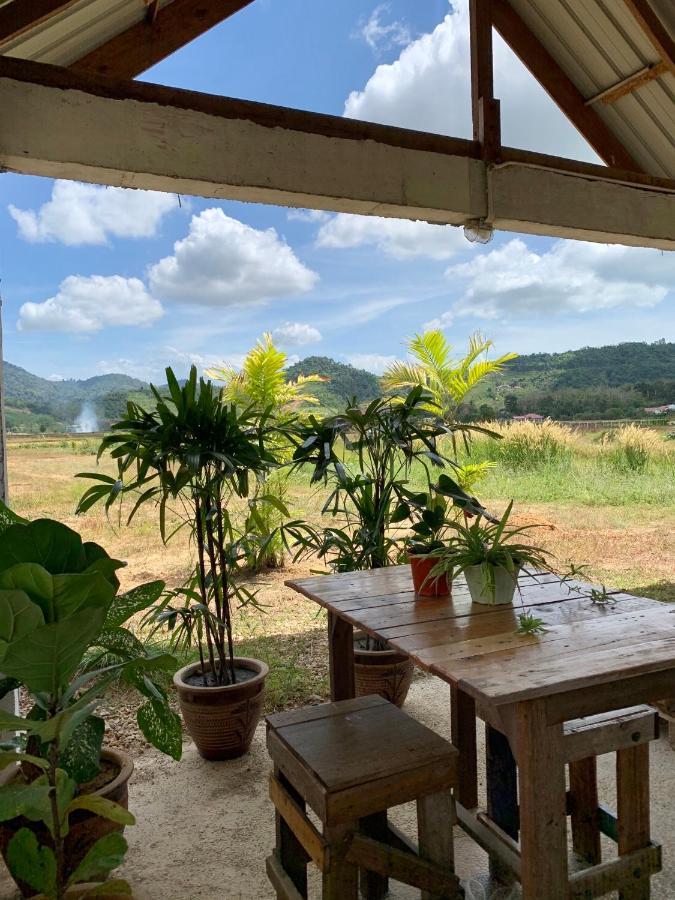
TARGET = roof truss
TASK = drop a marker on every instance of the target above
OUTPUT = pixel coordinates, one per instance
(21, 15)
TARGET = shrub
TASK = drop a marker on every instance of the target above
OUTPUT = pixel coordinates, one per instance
(527, 445)
(632, 448)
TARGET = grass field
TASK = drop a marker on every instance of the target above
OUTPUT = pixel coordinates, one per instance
(597, 511)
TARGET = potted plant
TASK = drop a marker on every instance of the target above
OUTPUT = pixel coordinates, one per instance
(490, 558)
(63, 796)
(365, 455)
(200, 454)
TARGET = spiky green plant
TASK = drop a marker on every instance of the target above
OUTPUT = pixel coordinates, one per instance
(447, 380)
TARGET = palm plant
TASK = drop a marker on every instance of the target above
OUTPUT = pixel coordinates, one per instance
(448, 381)
(261, 385)
(193, 456)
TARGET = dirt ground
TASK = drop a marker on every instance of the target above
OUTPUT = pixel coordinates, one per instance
(204, 829)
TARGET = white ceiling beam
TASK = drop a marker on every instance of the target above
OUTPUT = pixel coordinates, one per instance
(66, 125)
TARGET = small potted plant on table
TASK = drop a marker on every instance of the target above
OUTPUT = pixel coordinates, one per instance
(196, 455)
(490, 558)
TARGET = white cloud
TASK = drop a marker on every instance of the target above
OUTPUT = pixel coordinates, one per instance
(295, 334)
(223, 261)
(88, 214)
(371, 309)
(88, 304)
(445, 320)
(372, 362)
(380, 35)
(570, 277)
(428, 88)
(401, 238)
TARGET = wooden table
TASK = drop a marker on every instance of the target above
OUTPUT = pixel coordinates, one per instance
(593, 658)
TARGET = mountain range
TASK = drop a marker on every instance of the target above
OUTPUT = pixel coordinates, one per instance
(594, 382)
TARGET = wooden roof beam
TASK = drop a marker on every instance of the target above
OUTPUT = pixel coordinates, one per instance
(22, 15)
(627, 85)
(560, 88)
(484, 106)
(152, 40)
(655, 30)
(63, 124)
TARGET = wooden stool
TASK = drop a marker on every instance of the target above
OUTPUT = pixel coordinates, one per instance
(350, 762)
(625, 732)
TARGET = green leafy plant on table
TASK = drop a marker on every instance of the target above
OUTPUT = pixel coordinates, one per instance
(59, 602)
(197, 459)
(489, 556)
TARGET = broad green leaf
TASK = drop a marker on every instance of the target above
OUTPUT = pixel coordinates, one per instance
(7, 685)
(45, 659)
(81, 758)
(101, 807)
(161, 727)
(121, 642)
(9, 517)
(137, 599)
(29, 800)
(106, 854)
(9, 722)
(31, 863)
(44, 541)
(77, 592)
(11, 757)
(35, 581)
(18, 615)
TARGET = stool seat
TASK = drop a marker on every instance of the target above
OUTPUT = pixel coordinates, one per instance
(359, 756)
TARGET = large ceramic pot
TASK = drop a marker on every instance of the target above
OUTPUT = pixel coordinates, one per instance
(384, 672)
(221, 720)
(424, 583)
(505, 585)
(85, 827)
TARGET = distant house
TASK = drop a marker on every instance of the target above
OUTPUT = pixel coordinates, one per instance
(660, 410)
(528, 417)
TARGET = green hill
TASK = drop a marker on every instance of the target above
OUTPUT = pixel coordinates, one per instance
(344, 381)
(595, 382)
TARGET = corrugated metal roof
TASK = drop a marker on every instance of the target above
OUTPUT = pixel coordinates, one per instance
(76, 30)
(598, 43)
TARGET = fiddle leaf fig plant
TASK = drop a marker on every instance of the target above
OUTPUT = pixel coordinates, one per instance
(60, 605)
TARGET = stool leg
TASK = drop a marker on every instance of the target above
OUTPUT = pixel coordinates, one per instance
(290, 851)
(341, 878)
(502, 795)
(584, 809)
(632, 786)
(373, 885)
(435, 822)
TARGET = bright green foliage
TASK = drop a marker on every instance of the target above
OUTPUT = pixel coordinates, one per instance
(195, 452)
(448, 381)
(529, 624)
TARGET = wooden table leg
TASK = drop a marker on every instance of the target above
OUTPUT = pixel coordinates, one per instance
(632, 790)
(584, 809)
(290, 851)
(373, 885)
(341, 658)
(541, 782)
(463, 724)
(502, 794)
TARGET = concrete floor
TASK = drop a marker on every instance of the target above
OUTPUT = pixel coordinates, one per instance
(203, 829)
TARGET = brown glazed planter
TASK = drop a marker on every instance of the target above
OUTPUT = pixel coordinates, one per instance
(221, 720)
(384, 672)
(85, 827)
(425, 586)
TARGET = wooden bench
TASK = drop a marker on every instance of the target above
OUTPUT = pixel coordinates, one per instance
(350, 762)
(627, 733)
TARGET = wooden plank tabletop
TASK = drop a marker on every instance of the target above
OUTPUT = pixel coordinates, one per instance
(476, 647)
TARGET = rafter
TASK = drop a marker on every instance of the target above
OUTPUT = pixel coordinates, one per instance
(21, 15)
(561, 88)
(63, 124)
(638, 79)
(655, 30)
(152, 40)
(484, 107)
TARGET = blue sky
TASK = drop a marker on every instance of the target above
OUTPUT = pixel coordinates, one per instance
(97, 280)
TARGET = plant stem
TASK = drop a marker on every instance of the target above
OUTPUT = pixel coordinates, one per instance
(202, 587)
(59, 850)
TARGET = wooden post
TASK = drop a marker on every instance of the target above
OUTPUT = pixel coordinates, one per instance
(541, 782)
(289, 850)
(502, 794)
(485, 109)
(341, 658)
(632, 794)
(463, 726)
(584, 809)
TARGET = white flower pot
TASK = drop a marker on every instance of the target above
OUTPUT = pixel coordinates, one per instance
(505, 585)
